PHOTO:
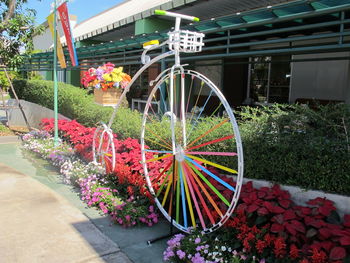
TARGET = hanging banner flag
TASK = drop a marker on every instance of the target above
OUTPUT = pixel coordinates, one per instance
(60, 53)
(63, 11)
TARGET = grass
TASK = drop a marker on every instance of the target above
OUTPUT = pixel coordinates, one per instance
(5, 131)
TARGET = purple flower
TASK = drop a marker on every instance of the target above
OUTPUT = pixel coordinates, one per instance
(197, 240)
(181, 254)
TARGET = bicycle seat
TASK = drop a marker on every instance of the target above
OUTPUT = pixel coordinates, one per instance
(150, 44)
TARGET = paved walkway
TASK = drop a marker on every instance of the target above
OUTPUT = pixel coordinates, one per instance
(42, 220)
(38, 225)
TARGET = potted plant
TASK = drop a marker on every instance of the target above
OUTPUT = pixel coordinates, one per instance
(108, 83)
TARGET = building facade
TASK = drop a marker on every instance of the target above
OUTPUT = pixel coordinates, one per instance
(257, 52)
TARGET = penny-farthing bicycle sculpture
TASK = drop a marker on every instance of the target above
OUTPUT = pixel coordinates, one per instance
(195, 136)
(193, 161)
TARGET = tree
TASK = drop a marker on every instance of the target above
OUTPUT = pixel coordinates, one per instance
(17, 29)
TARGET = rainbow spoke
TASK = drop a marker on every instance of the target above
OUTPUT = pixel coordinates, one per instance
(213, 153)
(159, 158)
(200, 196)
(163, 184)
(211, 142)
(200, 114)
(184, 212)
(156, 135)
(166, 168)
(177, 195)
(211, 175)
(217, 108)
(190, 208)
(162, 145)
(163, 98)
(200, 91)
(171, 180)
(194, 173)
(221, 167)
(187, 175)
(165, 179)
(189, 94)
(207, 132)
(156, 151)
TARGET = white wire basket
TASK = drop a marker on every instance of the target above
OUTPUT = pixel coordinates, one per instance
(186, 41)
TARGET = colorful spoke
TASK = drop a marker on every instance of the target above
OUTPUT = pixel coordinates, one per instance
(164, 170)
(187, 176)
(195, 105)
(184, 210)
(201, 199)
(189, 93)
(218, 107)
(186, 183)
(162, 145)
(163, 98)
(159, 158)
(195, 172)
(177, 194)
(207, 132)
(161, 139)
(163, 184)
(213, 153)
(200, 114)
(211, 142)
(211, 175)
(224, 168)
(156, 151)
(171, 180)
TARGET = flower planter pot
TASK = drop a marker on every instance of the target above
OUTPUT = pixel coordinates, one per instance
(109, 97)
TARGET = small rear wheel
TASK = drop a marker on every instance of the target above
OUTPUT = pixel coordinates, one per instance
(104, 148)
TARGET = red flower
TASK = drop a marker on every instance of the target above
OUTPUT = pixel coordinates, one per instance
(260, 246)
(294, 251)
(318, 256)
(246, 244)
(279, 247)
(130, 190)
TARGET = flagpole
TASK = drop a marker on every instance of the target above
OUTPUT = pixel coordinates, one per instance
(55, 85)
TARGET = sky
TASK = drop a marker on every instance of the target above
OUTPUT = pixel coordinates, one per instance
(83, 9)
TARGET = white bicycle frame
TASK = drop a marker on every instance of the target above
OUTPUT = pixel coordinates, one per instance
(147, 61)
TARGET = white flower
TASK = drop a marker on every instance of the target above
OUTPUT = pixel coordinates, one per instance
(223, 248)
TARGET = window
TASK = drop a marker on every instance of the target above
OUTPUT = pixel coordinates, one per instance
(269, 79)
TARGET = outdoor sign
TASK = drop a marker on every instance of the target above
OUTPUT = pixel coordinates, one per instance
(63, 12)
(60, 53)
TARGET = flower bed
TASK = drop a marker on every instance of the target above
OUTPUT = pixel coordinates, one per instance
(268, 227)
(127, 208)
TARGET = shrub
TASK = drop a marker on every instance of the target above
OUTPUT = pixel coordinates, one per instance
(76, 103)
(293, 144)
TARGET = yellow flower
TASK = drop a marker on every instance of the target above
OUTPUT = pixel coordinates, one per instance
(117, 78)
(118, 70)
(107, 77)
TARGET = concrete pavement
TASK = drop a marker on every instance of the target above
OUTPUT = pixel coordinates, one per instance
(131, 241)
(38, 225)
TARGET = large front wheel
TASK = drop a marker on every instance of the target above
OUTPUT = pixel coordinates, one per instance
(191, 151)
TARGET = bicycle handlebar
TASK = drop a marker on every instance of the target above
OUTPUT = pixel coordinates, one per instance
(166, 13)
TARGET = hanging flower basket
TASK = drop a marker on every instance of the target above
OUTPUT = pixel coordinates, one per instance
(108, 83)
(109, 97)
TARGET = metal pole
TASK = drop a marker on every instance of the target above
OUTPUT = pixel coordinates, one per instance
(55, 85)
